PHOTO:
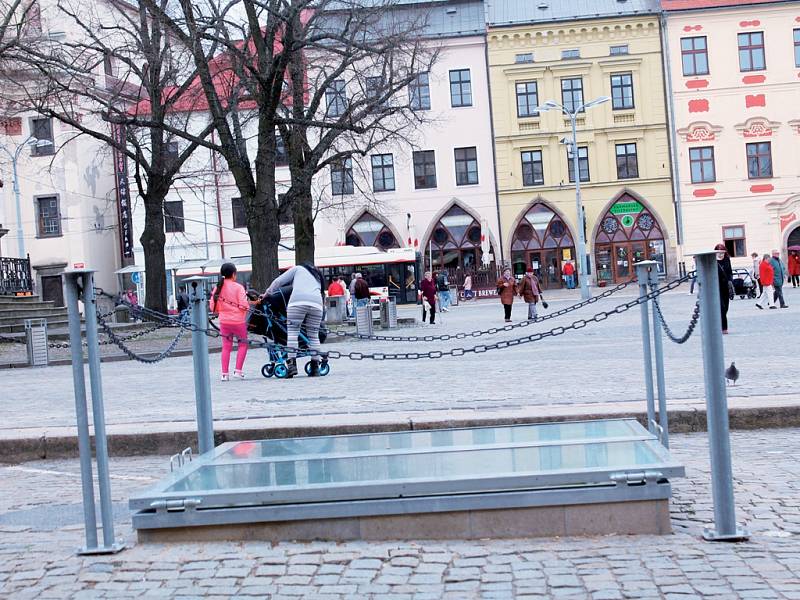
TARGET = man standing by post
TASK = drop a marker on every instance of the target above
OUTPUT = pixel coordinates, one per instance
(360, 291)
(779, 279)
(569, 274)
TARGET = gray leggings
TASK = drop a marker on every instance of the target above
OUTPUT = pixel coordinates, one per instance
(312, 316)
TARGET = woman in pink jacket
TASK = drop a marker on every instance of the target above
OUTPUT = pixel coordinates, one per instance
(229, 301)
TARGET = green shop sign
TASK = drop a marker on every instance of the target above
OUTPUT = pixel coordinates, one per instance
(627, 208)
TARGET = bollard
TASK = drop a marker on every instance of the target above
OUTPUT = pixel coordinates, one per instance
(725, 528)
(202, 377)
(70, 280)
(658, 348)
(642, 275)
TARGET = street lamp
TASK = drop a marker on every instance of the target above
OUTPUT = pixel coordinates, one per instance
(573, 144)
(14, 156)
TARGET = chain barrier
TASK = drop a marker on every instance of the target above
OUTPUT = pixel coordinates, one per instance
(4, 339)
(689, 329)
(120, 343)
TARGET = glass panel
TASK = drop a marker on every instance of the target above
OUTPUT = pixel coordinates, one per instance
(427, 439)
(427, 466)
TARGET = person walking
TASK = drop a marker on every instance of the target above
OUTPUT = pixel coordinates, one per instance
(304, 308)
(766, 273)
(443, 291)
(360, 290)
(182, 301)
(507, 289)
(794, 268)
(530, 292)
(229, 301)
(568, 270)
(427, 290)
(468, 293)
(756, 271)
(335, 289)
(779, 278)
(725, 276)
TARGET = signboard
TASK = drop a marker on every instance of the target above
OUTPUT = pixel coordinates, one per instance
(136, 278)
(123, 193)
(632, 207)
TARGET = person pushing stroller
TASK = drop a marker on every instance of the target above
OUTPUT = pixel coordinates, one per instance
(305, 306)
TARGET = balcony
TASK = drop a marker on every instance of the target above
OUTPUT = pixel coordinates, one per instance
(15, 276)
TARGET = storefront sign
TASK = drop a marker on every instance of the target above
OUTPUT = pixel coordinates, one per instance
(123, 193)
(627, 208)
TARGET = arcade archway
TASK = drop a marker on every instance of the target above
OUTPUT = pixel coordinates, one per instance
(455, 242)
(627, 233)
(544, 242)
(368, 230)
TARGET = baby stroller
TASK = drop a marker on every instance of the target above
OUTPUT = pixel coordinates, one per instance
(743, 284)
(270, 322)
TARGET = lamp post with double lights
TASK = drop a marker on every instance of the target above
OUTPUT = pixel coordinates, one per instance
(573, 146)
(14, 156)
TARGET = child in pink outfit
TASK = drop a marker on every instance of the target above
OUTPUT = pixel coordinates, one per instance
(229, 301)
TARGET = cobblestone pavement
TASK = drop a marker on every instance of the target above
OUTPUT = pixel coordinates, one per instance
(600, 363)
(40, 528)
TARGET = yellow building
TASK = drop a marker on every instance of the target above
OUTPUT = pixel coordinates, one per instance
(538, 54)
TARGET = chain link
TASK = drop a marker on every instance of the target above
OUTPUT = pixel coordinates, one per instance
(678, 339)
(4, 339)
(120, 342)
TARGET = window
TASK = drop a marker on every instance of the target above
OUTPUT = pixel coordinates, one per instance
(694, 56)
(701, 163)
(734, 240)
(48, 217)
(583, 164)
(342, 177)
(281, 156)
(173, 216)
(751, 51)
(572, 93)
(424, 169)
(759, 160)
(466, 166)
(42, 130)
(627, 161)
(621, 91)
(239, 215)
(618, 50)
(527, 99)
(523, 58)
(382, 172)
(373, 92)
(336, 98)
(460, 88)
(572, 53)
(532, 169)
(420, 92)
(797, 47)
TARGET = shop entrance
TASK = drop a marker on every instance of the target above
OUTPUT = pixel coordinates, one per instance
(543, 242)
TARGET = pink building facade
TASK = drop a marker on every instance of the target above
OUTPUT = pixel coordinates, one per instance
(734, 71)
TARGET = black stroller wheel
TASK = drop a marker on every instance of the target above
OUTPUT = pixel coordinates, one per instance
(308, 368)
(268, 370)
(281, 371)
(324, 368)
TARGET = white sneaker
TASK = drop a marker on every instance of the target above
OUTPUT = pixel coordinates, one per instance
(238, 374)
(224, 377)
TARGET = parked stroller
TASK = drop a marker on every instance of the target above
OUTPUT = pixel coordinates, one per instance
(743, 284)
(270, 322)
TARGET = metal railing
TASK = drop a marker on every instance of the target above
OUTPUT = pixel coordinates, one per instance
(15, 276)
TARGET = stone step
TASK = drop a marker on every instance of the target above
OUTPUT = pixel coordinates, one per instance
(34, 312)
(19, 327)
(17, 300)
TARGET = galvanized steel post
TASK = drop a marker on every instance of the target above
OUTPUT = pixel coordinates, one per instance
(202, 378)
(642, 275)
(725, 528)
(109, 546)
(658, 347)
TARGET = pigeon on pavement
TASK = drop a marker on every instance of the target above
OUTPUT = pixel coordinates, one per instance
(732, 373)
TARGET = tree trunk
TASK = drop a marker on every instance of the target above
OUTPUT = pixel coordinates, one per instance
(265, 234)
(302, 214)
(153, 241)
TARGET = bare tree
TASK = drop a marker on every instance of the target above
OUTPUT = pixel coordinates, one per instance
(121, 78)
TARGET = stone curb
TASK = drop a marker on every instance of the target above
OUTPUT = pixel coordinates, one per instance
(14, 450)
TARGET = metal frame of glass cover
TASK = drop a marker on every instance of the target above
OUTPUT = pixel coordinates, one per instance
(579, 462)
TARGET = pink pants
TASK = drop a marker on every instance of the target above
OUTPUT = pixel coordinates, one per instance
(228, 331)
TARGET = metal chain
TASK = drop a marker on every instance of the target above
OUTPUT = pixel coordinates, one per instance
(689, 329)
(11, 340)
(131, 354)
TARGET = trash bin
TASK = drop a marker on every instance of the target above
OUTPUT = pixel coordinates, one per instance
(36, 339)
(389, 314)
(364, 320)
(336, 310)
(453, 295)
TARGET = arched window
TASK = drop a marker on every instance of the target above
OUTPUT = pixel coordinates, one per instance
(369, 231)
(455, 242)
(543, 242)
(628, 233)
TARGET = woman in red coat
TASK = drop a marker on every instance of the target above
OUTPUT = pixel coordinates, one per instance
(427, 290)
(507, 289)
(767, 275)
(794, 268)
